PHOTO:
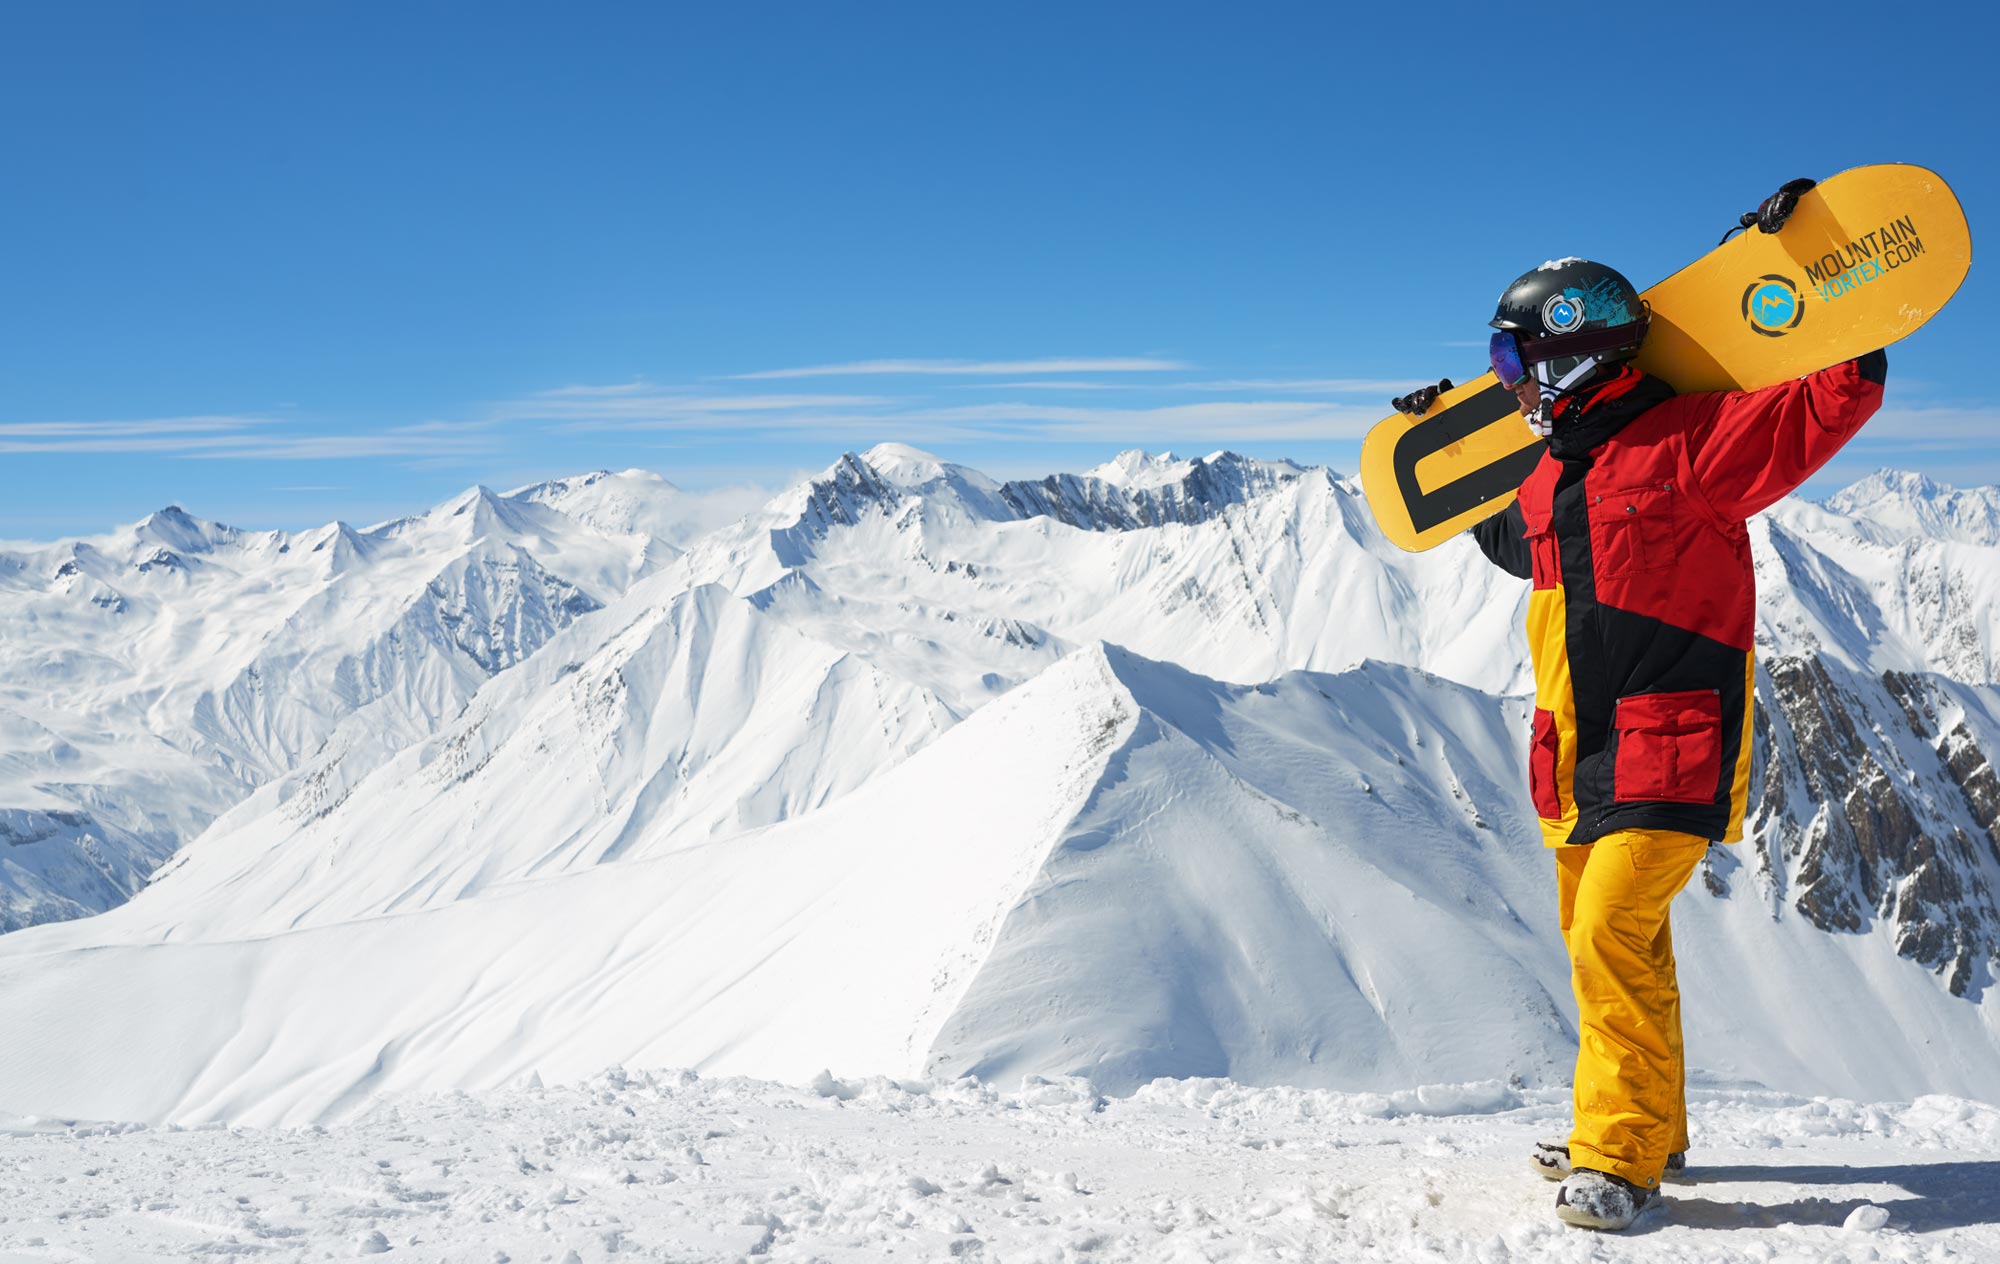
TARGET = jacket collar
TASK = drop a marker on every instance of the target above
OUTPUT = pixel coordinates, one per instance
(1585, 422)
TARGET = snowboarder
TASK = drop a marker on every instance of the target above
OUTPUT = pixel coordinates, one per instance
(1640, 622)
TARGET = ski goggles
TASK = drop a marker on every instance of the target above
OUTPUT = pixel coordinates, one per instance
(1510, 360)
(1503, 351)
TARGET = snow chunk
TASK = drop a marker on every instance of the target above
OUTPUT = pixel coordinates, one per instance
(1068, 1090)
(1866, 1218)
(824, 1085)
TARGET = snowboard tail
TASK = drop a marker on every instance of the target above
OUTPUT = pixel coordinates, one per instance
(1453, 468)
(1865, 260)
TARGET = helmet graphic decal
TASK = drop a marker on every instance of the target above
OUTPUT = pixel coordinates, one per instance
(1563, 313)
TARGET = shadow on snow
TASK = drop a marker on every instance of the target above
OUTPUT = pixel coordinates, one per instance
(1942, 1196)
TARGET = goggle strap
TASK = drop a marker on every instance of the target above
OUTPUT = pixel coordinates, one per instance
(1589, 342)
(1575, 375)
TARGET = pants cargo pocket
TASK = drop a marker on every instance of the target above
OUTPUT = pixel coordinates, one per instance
(1669, 747)
(1543, 749)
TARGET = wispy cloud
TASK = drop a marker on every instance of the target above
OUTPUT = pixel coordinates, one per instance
(224, 437)
(1057, 384)
(845, 418)
(973, 368)
(1219, 420)
(637, 386)
(1012, 409)
(166, 445)
(1280, 385)
(1305, 385)
(656, 408)
(1930, 428)
(444, 427)
(207, 424)
(338, 447)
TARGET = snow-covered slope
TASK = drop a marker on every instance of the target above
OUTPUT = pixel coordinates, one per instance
(633, 503)
(656, 727)
(843, 937)
(655, 1164)
(1119, 870)
(1172, 768)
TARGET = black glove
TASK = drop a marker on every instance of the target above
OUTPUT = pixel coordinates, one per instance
(1773, 211)
(1419, 401)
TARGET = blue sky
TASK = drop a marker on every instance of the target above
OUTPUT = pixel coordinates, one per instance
(286, 262)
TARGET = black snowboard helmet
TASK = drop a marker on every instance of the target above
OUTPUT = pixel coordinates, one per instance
(1571, 318)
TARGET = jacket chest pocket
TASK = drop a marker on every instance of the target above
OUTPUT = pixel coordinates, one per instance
(1632, 529)
(1669, 747)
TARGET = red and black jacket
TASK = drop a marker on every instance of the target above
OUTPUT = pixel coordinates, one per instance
(1643, 612)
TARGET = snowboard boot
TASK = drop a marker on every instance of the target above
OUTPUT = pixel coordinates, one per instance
(1591, 1199)
(1551, 1162)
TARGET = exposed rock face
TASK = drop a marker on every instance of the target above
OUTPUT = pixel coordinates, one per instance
(844, 494)
(1189, 492)
(1206, 488)
(1878, 803)
(1976, 780)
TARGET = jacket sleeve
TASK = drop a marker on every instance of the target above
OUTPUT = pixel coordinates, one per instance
(1501, 539)
(1748, 451)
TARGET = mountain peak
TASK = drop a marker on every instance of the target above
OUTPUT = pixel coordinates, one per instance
(471, 498)
(1138, 468)
(888, 457)
(1888, 482)
(1903, 504)
(554, 490)
(177, 529)
(341, 545)
(476, 511)
(483, 511)
(938, 481)
(839, 495)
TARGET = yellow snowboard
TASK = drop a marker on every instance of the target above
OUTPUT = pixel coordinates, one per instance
(1866, 258)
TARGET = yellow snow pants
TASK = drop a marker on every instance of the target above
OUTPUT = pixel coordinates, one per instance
(1631, 1084)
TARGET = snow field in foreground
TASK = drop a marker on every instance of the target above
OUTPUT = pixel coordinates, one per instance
(673, 1167)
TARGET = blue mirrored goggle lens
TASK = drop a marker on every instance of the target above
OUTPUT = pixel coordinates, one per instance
(1504, 351)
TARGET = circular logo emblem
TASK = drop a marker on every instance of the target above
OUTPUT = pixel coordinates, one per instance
(1561, 314)
(1771, 305)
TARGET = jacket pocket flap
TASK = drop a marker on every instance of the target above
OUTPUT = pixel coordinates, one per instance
(1688, 711)
(1637, 502)
(1668, 747)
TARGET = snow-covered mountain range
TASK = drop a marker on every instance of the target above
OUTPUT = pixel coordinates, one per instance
(1168, 768)
(152, 677)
